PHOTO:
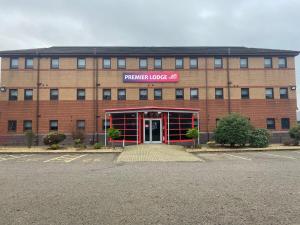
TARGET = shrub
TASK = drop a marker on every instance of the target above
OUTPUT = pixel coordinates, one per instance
(97, 146)
(113, 134)
(78, 136)
(233, 129)
(211, 144)
(287, 143)
(29, 136)
(259, 138)
(294, 133)
(54, 146)
(193, 133)
(54, 138)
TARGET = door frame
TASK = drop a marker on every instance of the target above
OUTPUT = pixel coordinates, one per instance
(150, 131)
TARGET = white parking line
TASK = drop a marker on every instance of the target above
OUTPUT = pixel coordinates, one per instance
(280, 156)
(75, 158)
(64, 158)
(10, 157)
(240, 157)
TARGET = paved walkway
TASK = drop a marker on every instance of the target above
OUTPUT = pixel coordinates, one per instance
(156, 153)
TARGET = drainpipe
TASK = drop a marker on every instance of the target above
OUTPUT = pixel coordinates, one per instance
(37, 99)
(97, 99)
(95, 94)
(206, 100)
(228, 82)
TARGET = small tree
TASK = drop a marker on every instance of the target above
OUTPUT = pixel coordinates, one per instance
(259, 138)
(29, 136)
(294, 133)
(113, 134)
(233, 129)
(193, 133)
(54, 138)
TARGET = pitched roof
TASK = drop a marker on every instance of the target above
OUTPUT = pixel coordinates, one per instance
(148, 51)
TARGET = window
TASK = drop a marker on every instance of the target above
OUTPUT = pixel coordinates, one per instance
(193, 63)
(105, 124)
(81, 63)
(282, 62)
(194, 94)
(121, 94)
(143, 94)
(53, 125)
(157, 94)
(121, 63)
(54, 94)
(244, 93)
(106, 94)
(243, 62)
(268, 63)
(54, 63)
(284, 93)
(12, 126)
(179, 63)
(29, 63)
(27, 125)
(143, 63)
(285, 123)
(157, 63)
(13, 95)
(219, 93)
(218, 63)
(179, 94)
(106, 63)
(270, 123)
(14, 63)
(269, 93)
(80, 94)
(28, 94)
(80, 124)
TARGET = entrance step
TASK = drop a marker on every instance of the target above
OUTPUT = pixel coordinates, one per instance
(156, 153)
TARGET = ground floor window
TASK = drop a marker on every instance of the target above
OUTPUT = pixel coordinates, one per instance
(12, 126)
(53, 125)
(285, 123)
(270, 123)
(27, 125)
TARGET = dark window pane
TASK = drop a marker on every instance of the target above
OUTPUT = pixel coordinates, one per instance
(80, 63)
(193, 63)
(218, 63)
(143, 63)
(121, 63)
(29, 63)
(53, 94)
(80, 94)
(157, 63)
(28, 94)
(106, 94)
(245, 93)
(285, 123)
(105, 124)
(143, 94)
(27, 125)
(121, 94)
(13, 94)
(282, 63)
(194, 94)
(54, 63)
(80, 124)
(270, 123)
(157, 94)
(269, 93)
(179, 94)
(106, 63)
(53, 125)
(244, 62)
(14, 63)
(284, 93)
(12, 126)
(219, 93)
(268, 62)
(179, 63)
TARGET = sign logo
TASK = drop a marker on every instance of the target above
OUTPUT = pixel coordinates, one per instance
(151, 77)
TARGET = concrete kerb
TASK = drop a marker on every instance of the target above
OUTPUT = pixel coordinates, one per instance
(240, 150)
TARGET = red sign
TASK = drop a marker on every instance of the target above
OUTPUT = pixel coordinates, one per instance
(151, 77)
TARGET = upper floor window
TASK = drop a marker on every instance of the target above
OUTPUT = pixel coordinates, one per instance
(193, 63)
(282, 63)
(243, 62)
(13, 95)
(244, 93)
(106, 63)
(143, 94)
(121, 63)
(121, 94)
(270, 123)
(29, 63)
(284, 93)
(54, 94)
(218, 63)
(53, 125)
(106, 94)
(28, 94)
(179, 63)
(194, 94)
(14, 63)
(158, 94)
(179, 92)
(54, 63)
(80, 94)
(27, 125)
(143, 63)
(268, 62)
(219, 93)
(269, 93)
(80, 124)
(12, 126)
(285, 123)
(157, 63)
(81, 63)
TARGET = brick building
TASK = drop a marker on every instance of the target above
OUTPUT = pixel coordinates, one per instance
(152, 94)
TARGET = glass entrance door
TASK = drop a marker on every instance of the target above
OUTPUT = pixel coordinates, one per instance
(152, 131)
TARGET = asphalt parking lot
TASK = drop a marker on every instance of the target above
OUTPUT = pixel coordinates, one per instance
(220, 188)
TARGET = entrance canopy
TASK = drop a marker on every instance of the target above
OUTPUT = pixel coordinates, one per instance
(152, 124)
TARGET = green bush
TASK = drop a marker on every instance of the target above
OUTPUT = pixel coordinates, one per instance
(29, 136)
(54, 146)
(54, 138)
(233, 129)
(259, 138)
(193, 133)
(113, 134)
(97, 146)
(294, 133)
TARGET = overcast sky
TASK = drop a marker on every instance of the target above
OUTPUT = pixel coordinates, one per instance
(250, 23)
